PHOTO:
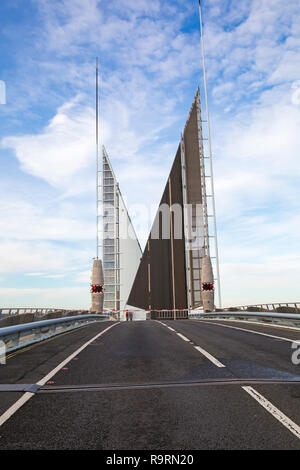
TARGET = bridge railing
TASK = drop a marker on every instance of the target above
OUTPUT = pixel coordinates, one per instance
(8, 311)
(273, 307)
(18, 336)
(285, 319)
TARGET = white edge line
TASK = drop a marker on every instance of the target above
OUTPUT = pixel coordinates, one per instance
(248, 331)
(10, 411)
(250, 322)
(282, 418)
(209, 356)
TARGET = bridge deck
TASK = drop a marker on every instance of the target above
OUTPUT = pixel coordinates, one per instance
(156, 385)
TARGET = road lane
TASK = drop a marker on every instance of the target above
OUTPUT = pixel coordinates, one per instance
(251, 355)
(244, 354)
(29, 365)
(265, 328)
(199, 417)
(137, 352)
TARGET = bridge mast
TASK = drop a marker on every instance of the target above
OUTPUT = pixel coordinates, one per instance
(210, 158)
(97, 281)
(97, 162)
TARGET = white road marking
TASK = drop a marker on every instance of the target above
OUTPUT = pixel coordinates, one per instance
(183, 337)
(250, 322)
(202, 351)
(169, 327)
(282, 418)
(248, 331)
(209, 356)
(8, 413)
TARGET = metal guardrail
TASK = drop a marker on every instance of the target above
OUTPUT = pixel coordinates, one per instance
(8, 311)
(18, 336)
(271, 306)
(288, 319)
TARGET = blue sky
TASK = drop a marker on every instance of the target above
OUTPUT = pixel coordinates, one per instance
(150, 68)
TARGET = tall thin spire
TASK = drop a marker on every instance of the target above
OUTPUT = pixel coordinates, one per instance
(210, 154)
(97, 160)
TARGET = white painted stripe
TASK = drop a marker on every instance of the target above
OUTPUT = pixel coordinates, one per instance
(202, 351)
(169, 327)
(8, 413)
(209, 356)
(282, 418)
(248, 331)
(62, 364)
(183, 337)
(250, 322)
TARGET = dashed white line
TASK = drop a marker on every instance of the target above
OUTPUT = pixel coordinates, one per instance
(275, 412)
(282, 418)
(209, 356)
(183, 337)
(202, 351)
(8, 413)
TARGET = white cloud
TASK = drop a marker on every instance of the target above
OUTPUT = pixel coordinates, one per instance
(27, 221)
(69, 297)
(276, 279)
(63, 148)
(256, 156)
(34, 274)
(83, 277)
(26, 256)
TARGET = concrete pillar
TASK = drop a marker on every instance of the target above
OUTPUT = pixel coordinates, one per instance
(97, 286)
(207, 280)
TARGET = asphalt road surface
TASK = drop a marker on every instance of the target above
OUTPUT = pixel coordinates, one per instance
(170, 385)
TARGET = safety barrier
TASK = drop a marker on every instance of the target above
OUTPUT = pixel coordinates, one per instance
(287, 319)
(273, 306)
(18, 336)
(179, 314)
(39, 312)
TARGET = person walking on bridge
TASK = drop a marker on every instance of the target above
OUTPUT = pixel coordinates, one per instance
(130, 316)
(126, 315)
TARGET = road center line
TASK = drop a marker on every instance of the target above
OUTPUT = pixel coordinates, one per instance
(202, 351)
(209, 356)
(183, 337)
(17, 405)
(282, 418)
(248, 331)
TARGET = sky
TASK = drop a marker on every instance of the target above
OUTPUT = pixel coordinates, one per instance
(150, 66)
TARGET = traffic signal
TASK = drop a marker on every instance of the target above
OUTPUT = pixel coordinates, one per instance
(98, 288)
(207, 286)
